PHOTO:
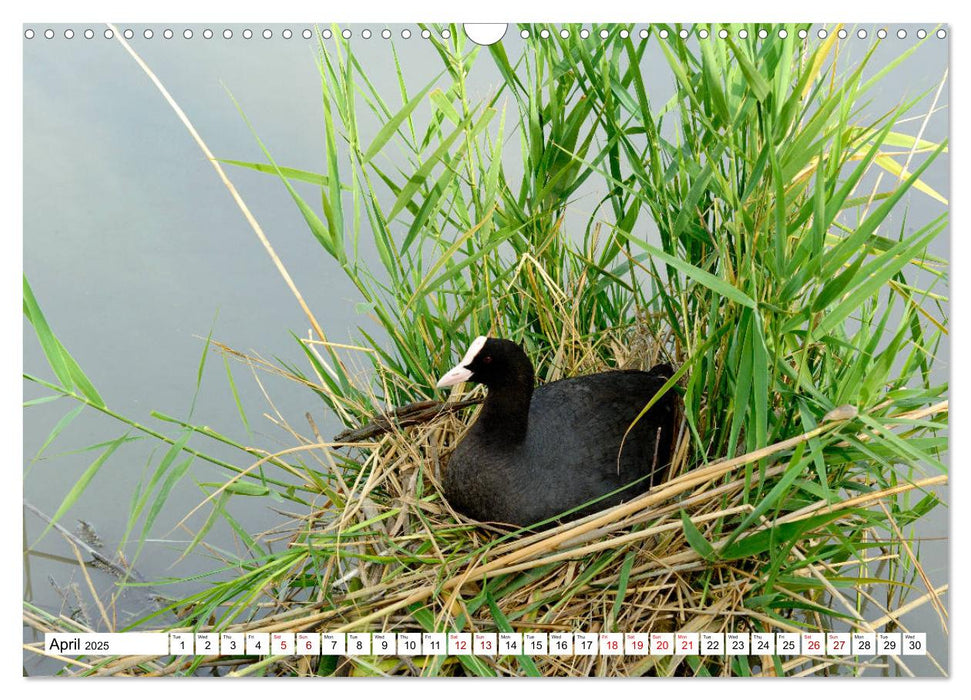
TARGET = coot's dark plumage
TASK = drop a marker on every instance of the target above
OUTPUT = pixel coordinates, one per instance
(534, 454)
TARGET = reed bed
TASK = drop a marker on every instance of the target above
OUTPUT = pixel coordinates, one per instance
(395, 558)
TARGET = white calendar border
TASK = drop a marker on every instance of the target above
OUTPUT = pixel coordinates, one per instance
(496, 10)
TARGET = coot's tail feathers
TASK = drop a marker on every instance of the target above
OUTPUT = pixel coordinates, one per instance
(662, 370)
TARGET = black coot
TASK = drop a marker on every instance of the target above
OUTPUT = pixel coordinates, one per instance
(534, 454)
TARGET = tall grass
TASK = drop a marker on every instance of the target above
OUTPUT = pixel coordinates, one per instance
(749, 228)
(766, 276)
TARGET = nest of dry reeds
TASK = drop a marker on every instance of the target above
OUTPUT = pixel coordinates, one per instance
(383, 552)
(629, 568)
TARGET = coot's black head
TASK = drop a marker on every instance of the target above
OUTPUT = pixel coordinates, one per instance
(495, 362)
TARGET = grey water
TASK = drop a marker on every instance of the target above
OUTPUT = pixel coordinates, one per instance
(135, 252)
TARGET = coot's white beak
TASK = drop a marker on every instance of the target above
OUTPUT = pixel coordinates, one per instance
(460, 373)
(456, 375)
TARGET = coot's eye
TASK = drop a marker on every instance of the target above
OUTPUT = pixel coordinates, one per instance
(487, 359)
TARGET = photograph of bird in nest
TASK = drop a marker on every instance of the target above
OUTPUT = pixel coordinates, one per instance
(555, 350)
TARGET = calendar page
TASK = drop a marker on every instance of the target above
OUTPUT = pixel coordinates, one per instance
(526, 349)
